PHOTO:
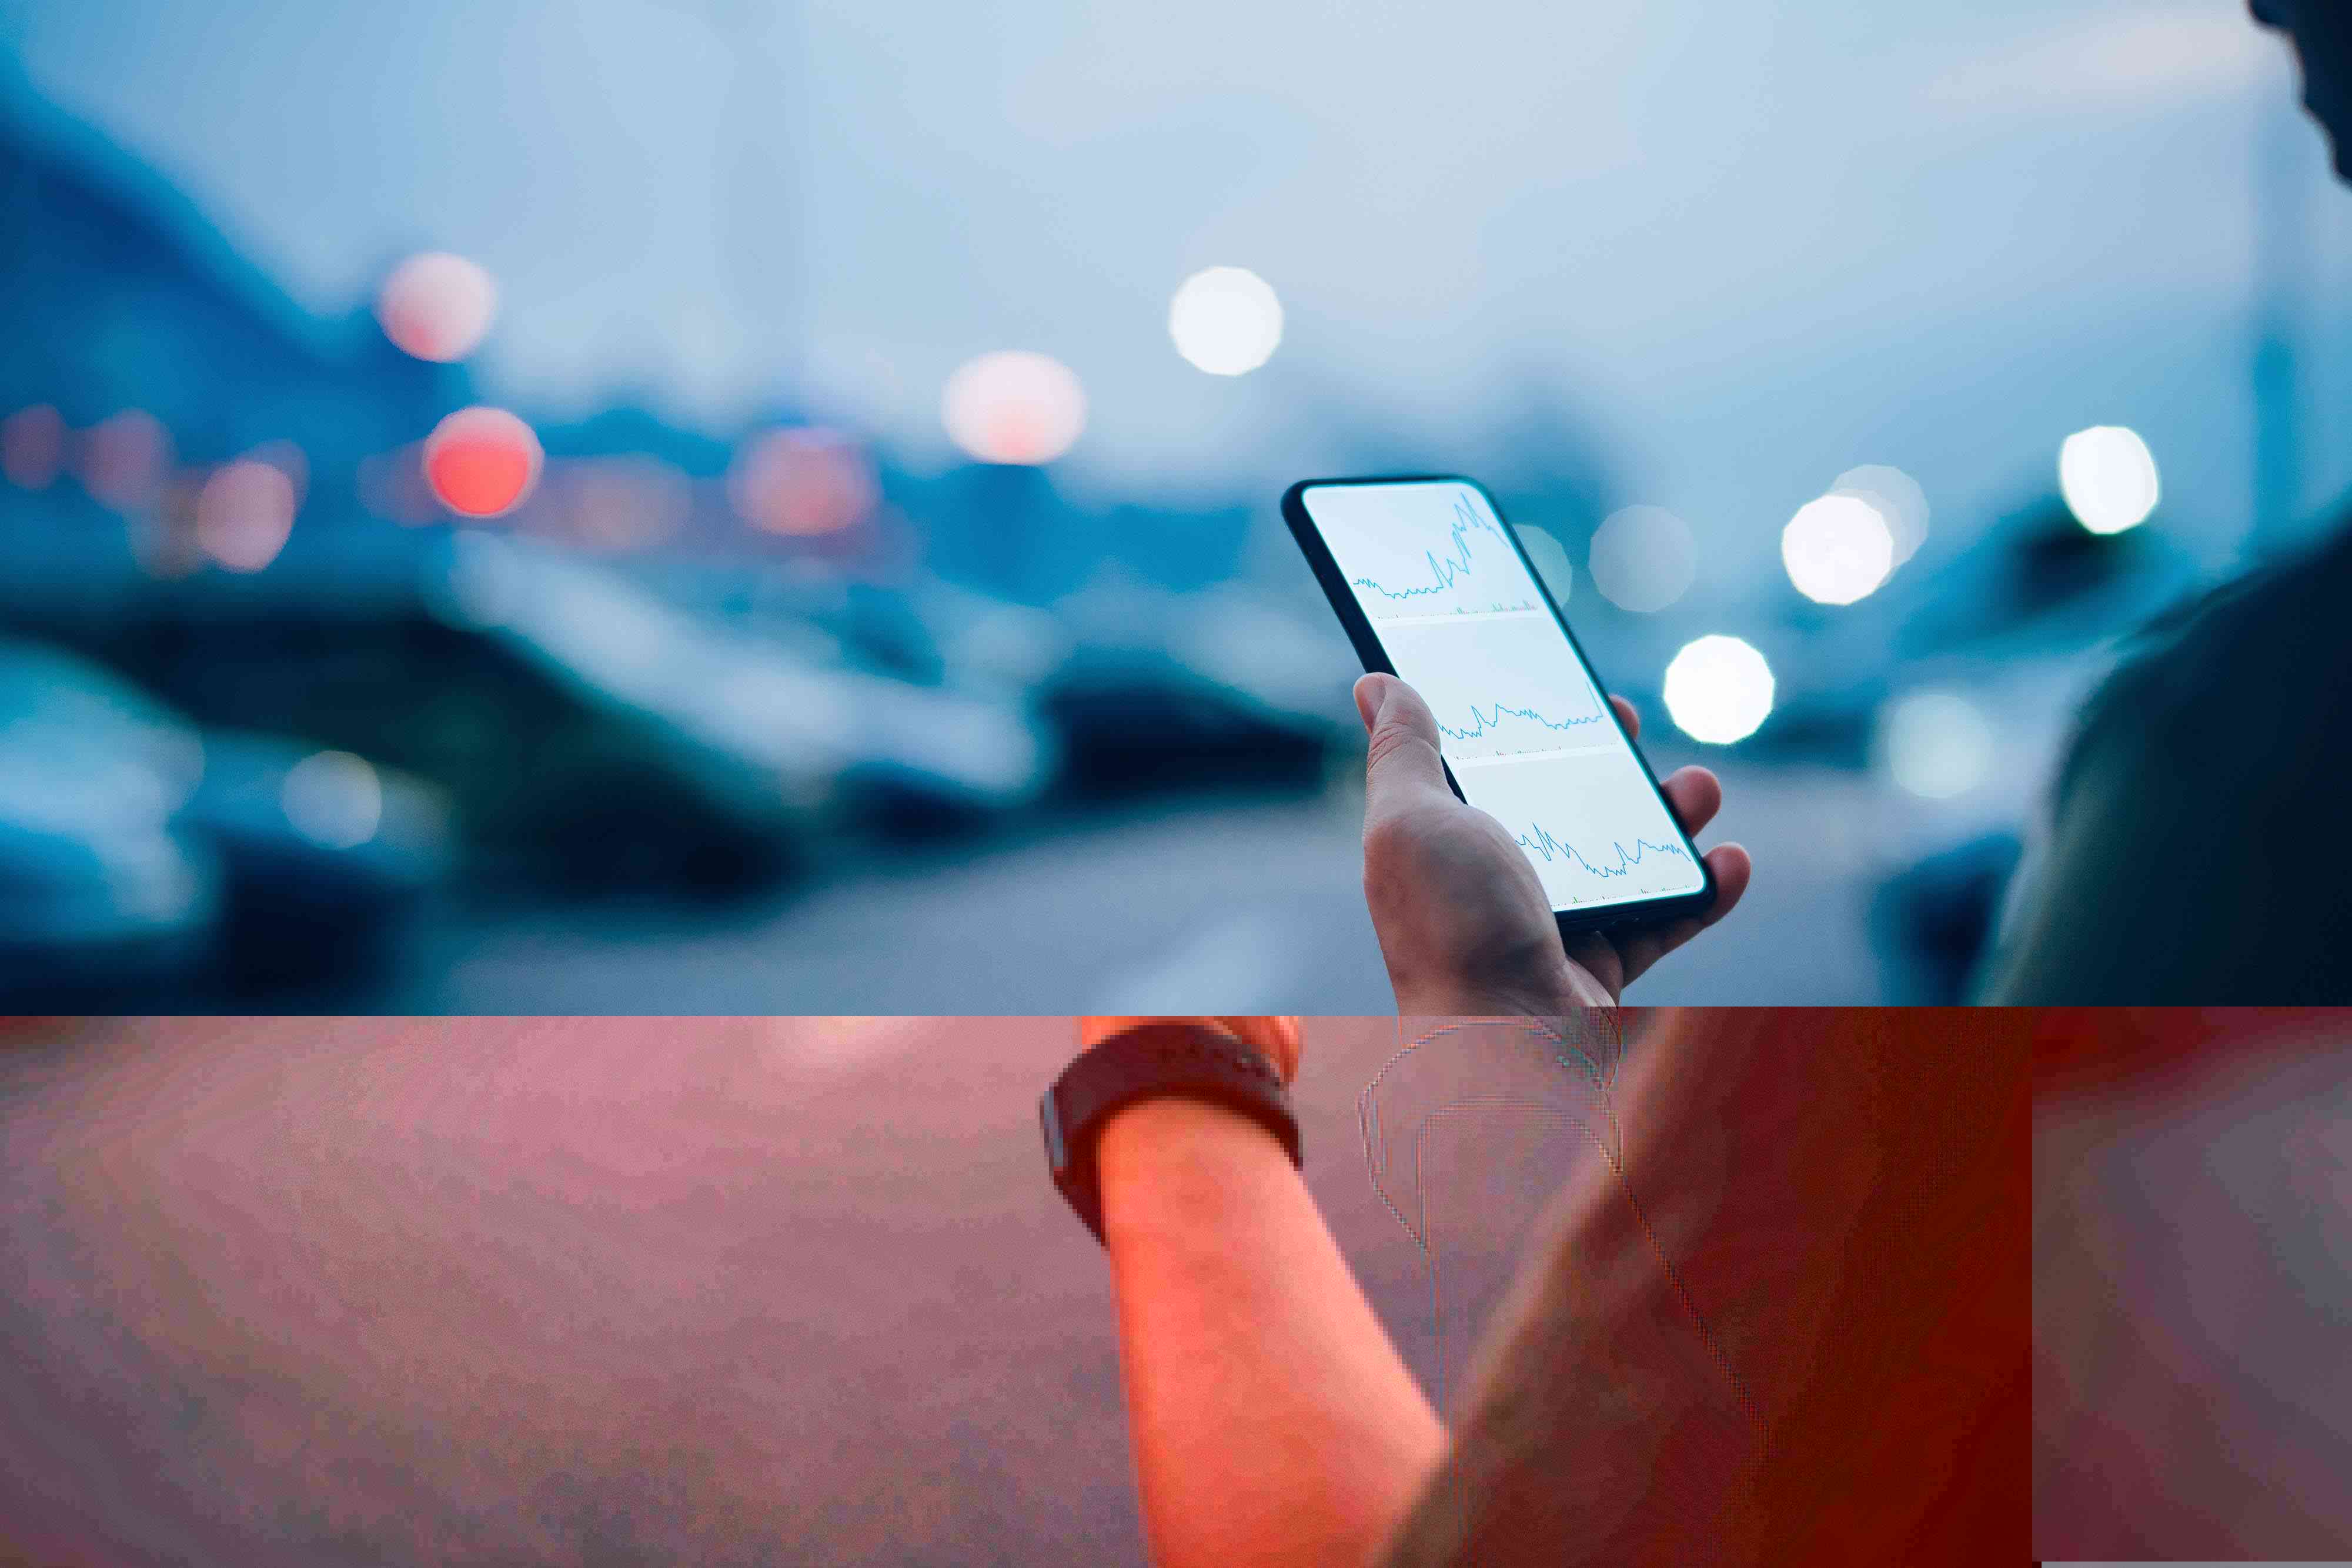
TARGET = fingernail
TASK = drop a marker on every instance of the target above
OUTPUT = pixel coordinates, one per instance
(1368, 707)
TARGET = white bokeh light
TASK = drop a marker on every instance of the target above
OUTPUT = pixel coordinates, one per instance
(1643, 558)
(1550, 558)
(1718, 689)
(1936, 744)
(1838, 549)
(1225, 320)
(1899, 500)
(437, 306)
(2108, 478)
(333, 798)
(1013, 406)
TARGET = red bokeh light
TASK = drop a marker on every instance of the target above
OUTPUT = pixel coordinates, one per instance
(33, 446)
(482, 462)
(125, 459)
(802, 481)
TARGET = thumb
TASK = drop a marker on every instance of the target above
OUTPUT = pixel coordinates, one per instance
(1402, 768)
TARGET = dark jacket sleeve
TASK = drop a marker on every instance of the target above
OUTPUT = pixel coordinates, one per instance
(2188, 855)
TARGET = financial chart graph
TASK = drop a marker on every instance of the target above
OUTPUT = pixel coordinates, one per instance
(1591, 825)
(1407, 570)
(1537, 841)
(1502, 684)
(1519, 719)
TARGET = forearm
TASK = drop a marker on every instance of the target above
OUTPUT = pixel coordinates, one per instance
(1784, 1321)
(1273, 1421)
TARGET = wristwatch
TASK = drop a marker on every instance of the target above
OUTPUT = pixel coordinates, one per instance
(1187, 1059)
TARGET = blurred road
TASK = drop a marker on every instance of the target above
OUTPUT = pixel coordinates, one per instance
(592, 1291)
(1211, 905)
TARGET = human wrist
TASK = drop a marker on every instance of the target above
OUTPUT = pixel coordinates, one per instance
(1498, 972)
(1177, 1159)
(1550, 996)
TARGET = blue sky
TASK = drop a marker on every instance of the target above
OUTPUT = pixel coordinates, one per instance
(1761, 244)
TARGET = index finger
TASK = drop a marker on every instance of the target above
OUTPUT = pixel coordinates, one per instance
(1403, 768)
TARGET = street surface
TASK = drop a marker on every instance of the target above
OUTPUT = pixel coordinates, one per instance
(1235, 904)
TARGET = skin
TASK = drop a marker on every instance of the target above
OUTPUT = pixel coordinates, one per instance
(1753, 1259)
(1272, 1418)
(2320, 31)
(1462, 921)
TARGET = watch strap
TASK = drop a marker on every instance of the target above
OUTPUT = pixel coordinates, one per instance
(1185, 1059)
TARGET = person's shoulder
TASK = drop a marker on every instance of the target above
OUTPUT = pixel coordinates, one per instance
(2264, 651)
(2265, 608)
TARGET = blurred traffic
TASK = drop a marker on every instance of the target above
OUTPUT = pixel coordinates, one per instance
(330, 665)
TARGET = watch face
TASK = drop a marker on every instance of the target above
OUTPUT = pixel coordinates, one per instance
(1049, 1112)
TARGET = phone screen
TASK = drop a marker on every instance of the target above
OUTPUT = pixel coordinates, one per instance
(1520, 719)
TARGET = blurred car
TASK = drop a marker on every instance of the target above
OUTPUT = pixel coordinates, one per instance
(589, 737)
(1933, 922)
(325, 854)
(142, 849)
(99, 890)
(89, 910)
(1962, 753)
(847, 743)
(1142, 689)
(1160, 689)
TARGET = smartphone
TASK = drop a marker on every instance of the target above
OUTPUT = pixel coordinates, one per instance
(1434, 586)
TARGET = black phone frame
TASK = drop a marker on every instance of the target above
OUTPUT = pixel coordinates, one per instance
(1635, 914)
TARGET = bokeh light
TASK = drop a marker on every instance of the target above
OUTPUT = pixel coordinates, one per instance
(333, 798)
(802, 481)
(1551, 560)
(289, 459)
(1225, 320)
(1013, 406)
(482, 462)
(624, 502)
(1643, 558)
(125, 458)
(437, 306)
(1936, 744)
(2108, 478)
(245, 513)
(1718, 690)
(1898, 499)
(1837, 549)
(33, 446)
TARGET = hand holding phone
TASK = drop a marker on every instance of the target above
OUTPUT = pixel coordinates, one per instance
(1460, 914)
(1576, 871)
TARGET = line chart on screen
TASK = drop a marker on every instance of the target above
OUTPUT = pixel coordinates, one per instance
(1402, 573)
